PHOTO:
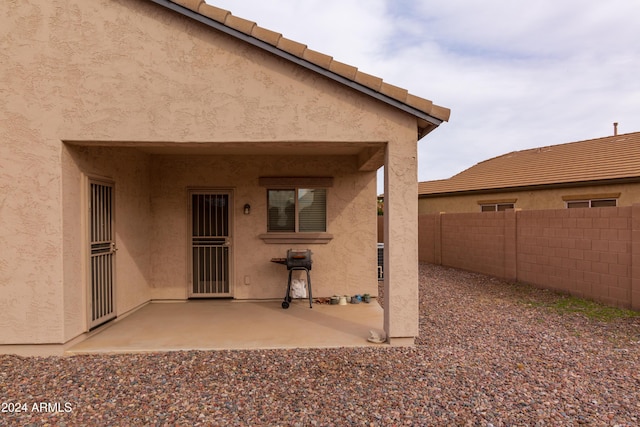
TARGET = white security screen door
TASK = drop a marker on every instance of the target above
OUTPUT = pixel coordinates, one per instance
(210, 244)
(102, 248)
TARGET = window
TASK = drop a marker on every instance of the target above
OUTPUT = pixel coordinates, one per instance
(297, 210)
(496, 207)
(593, 203)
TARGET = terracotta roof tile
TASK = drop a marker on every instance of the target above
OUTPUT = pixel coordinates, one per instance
(372, 82)
(265, 35)
(324, 61)
(240, 24)
(190, 4)
(394, 92)
(345, 70)
(293, 47)
(442, 112)
(320, 59)
(419, 103)
(215, 13)
(612, 157)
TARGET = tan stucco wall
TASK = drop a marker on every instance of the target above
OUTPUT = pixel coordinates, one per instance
(113, 72)
(527, 200)
(340, 267)
(401, 247)
(130, 171)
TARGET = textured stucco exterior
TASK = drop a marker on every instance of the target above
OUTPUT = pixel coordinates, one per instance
(551, 198)
(127, 91)
(338, 266)
(401, 250)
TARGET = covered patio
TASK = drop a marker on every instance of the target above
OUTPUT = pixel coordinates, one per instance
(198, 147)
(235, 325)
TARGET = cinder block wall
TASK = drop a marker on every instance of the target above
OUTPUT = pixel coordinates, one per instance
(586, 252)
(591, 253)
(474, 242)
(427, 238)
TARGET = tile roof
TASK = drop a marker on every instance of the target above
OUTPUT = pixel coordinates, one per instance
(276, 40)
(613, 157)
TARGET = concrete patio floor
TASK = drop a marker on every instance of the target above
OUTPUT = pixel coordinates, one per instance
(235, 325)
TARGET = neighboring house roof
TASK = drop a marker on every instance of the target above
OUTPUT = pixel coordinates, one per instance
(614, 158)
(429, 115)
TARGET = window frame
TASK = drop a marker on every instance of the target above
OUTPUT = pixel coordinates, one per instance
(497, 207)
(296, 211)
(590, 202)
(288, 183)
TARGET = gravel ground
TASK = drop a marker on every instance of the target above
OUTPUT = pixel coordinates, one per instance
(488, 355)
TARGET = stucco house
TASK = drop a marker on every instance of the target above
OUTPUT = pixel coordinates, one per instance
(167, 150)
(596, 172)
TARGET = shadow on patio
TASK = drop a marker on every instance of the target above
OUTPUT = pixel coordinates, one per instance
(235, 325)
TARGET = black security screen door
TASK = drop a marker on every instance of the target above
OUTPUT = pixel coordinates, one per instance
(210, 244)
(102, 244)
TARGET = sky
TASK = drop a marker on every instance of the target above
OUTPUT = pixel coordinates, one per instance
(515, 74)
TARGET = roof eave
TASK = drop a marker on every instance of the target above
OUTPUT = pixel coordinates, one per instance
(425, 128)
(433, 122)
(611, 181)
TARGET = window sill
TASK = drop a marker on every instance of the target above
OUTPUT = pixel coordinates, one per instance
(294, 238)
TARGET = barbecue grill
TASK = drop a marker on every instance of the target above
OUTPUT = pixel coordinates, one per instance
(297, 259)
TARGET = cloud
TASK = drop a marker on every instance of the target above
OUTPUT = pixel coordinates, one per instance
(505, 28)
(515, 74)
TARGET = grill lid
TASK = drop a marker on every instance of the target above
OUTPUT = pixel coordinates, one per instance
(300, 258)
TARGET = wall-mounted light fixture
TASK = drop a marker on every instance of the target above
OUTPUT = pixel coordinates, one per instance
(247, 209)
